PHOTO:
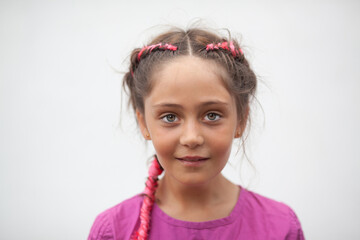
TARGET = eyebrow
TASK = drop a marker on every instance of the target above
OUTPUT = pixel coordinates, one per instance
(207, 103)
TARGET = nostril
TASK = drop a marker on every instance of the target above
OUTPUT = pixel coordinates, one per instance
(192, 141)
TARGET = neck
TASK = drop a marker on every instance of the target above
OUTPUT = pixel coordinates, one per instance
(217, 191)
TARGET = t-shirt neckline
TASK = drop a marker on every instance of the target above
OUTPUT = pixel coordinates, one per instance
(206, 224)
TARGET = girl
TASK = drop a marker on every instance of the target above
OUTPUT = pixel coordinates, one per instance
(191, 91)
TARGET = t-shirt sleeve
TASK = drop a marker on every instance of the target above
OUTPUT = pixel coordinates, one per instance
(296, 232)
(101, 229)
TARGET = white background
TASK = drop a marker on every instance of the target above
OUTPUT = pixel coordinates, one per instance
(64, 158)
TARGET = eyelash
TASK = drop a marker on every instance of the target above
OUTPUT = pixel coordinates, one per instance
(217, 116)
(165, 117)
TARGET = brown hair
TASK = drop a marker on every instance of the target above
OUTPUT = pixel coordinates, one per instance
(241, 81)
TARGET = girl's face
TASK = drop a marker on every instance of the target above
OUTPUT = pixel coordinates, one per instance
(191, 119)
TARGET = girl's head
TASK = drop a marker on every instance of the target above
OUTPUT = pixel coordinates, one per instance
(190, 91)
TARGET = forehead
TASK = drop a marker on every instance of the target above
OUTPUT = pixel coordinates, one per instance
(187, 79)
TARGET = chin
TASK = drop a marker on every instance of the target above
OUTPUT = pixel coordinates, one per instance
(194, 181)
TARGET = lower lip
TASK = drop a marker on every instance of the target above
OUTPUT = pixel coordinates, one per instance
(193, 163)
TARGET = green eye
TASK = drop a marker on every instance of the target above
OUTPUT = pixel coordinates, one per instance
(212, 116)
(169, 118)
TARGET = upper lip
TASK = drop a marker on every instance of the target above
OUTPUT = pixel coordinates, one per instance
(192, 158)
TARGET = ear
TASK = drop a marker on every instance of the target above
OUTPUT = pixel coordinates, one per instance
(240, 128)
(142, 124)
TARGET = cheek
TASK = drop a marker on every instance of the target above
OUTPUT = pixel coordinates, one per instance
(165, 148)
(164, 143)
(222, 147)
(221, 142)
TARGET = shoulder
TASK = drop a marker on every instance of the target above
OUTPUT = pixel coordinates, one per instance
(264, 205)
(272, 215)
(118, 221)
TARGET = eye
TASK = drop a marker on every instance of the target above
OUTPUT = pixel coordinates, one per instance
(212, 116)
(169, 118)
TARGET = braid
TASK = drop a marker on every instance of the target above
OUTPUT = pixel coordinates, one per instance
(140, 53)
(149, 49)
(149, 197)
(236, 52)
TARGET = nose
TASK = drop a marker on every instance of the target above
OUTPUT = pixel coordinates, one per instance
(191, 135)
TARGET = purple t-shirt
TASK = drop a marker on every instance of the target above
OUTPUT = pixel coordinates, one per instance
(253, 217)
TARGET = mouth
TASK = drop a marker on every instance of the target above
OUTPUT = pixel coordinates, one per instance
(192, 158)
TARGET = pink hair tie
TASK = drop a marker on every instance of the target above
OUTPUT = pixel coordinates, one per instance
(161, 46)
(154, 171)
(210, 47)
(232, 48)
(229, 46)
(155, 168)
(223, 45)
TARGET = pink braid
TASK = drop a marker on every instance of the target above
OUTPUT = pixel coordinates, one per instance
(226, 46)
(165, 46)
(149, 197)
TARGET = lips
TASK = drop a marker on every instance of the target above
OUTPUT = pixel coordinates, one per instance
(192, 158)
